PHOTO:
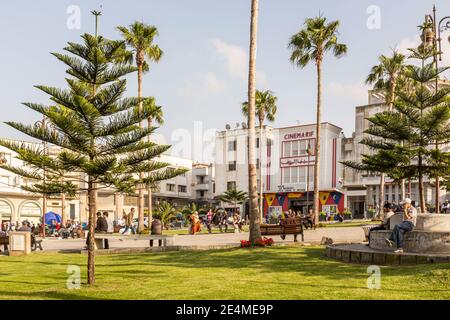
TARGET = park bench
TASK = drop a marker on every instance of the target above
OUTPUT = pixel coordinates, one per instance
(163, 240)
(282, 230)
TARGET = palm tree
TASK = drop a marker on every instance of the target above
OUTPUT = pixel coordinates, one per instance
(310, 44)
(234, 197)
(385, 77)
(165, 212)
(255, 220)
(266, 108)
(140, 38)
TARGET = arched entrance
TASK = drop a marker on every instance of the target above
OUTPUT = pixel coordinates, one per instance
(6, 211)
(30, 211)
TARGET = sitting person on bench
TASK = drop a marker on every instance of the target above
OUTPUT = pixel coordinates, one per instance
(409, 221)
(388, 213)
(290, 219)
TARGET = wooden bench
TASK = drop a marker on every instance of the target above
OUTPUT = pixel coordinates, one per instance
(282, 230)
(163, 240)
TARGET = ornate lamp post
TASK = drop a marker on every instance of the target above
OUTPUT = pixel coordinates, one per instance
(431, 36)
(310, 152)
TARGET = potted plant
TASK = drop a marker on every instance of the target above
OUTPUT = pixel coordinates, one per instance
(347, 214)
(371, 213)
(322, 216)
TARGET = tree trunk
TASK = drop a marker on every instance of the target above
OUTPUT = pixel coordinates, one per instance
(381, 200)
(403, 189)
(317, 146)
(421, 193)
(91, 252)
(261, 197)
(437, 188)
(141, 174)
(149, 190)
(255, 231)
(44, 211)
(63, 209)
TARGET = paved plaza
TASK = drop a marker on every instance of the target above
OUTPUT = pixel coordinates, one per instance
(339, 235)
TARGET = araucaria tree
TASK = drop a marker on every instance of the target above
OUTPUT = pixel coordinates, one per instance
(266, 108)
(97, 129)
(310, 44)
(419, 119)
(139, 37)
(385, 78)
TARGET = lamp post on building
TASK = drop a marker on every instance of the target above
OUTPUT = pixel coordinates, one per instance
(431, 36)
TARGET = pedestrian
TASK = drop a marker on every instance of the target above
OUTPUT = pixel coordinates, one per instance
(129, 222)
(409, 221)
(109, 222)
(195, 223)
(236, 222)
(209, 218)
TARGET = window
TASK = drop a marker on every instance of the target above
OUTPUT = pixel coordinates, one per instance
(269, 142)
(182, 189)
(232, 145)
(202, 194)
(170, 187)
(231, 185)
(287, 149)
(286, 175)
(295, 148)
(232, 166)
(257, 142)
(257, 164)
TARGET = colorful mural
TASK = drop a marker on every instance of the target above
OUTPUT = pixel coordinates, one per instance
(282, 199)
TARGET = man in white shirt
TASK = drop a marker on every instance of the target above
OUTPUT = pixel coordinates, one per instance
(408, 224)
(109, 222)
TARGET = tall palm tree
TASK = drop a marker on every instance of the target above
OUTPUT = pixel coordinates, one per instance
(140, 37)
(310, 44)
(266, 108)
(234, 197)
(255, 231)
(385, 77)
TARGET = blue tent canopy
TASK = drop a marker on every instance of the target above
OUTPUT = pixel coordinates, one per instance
(51, 216)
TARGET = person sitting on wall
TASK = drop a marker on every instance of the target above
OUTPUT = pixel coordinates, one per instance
(409, 221)
(388, 213)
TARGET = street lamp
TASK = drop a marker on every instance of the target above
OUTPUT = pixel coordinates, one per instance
(431, 36)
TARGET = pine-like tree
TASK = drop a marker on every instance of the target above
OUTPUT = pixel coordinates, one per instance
(419, 118)
(97, 129)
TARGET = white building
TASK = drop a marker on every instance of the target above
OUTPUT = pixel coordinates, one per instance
(362, 189)
(18, 205)
(286, 166)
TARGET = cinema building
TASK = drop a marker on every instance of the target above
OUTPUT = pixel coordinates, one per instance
(287, 166)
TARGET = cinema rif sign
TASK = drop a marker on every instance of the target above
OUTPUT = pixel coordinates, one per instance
(298, 135)
(297, 161)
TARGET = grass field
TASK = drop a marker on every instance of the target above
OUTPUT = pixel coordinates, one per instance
(270, 273)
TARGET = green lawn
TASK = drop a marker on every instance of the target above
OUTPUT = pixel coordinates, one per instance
(272, 273)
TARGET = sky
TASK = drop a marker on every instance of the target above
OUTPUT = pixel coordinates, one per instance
(202, 78)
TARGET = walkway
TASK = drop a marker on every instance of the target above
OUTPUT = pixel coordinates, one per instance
(339, 235)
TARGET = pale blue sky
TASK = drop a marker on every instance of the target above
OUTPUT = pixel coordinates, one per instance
(202, 76)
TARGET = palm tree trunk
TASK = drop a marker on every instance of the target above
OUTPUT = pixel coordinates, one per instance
(317, 146)
(261, 207)
(255, 231)
(149, 190)
(91, 252)
(141, 174)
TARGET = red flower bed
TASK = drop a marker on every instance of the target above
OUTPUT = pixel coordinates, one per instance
(261, 242)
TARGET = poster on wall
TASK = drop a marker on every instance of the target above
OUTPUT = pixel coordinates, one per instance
(329, 209)
(275, 211)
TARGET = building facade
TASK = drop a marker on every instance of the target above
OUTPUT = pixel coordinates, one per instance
(362, 189)
(286, 165)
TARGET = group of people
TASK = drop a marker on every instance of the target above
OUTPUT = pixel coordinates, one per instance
(409, 218)
(220, 219)
(292, 216)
